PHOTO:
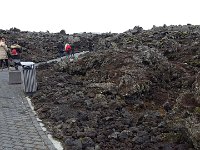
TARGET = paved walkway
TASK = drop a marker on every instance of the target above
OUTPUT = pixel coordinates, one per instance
(63, 58)
(19, 128)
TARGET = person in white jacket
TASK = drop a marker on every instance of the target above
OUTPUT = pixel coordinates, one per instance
(3, 53)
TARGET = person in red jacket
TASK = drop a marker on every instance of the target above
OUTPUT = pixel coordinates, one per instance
(68, 51)
(15, 54)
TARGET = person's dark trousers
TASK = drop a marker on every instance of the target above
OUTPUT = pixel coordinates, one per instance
(2, 61)
(61, 54)
(72, 54)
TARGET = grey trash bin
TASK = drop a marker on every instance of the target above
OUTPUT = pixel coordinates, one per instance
(29, 77)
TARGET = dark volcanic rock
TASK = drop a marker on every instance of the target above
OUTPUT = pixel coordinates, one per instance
(135, 90)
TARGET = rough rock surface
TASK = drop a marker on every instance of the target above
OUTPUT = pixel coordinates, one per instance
(135, 90)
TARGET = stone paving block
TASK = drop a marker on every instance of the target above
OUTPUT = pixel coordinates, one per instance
(39, 143)
(36, 139)
(40, 147)
(6, 142)
(29, 148)
(18, 143)
(13, 134)
(12, 128)
(18, 147)
(29, 145)
(32, 132)
(7, 148)
(15, 137)
(5, 145)
(4, 138)
(27, 141)
(5, 135)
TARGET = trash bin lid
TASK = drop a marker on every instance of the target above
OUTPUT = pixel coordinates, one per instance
(27, 63)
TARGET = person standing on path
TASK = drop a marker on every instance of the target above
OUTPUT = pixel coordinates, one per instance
(68, 51)
(61, 50)
(72, 51)
(16, 55)
(3, 53)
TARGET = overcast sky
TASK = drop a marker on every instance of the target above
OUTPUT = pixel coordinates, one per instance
(96, 15)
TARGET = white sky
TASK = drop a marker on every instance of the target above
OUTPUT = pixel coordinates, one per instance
(96, 15)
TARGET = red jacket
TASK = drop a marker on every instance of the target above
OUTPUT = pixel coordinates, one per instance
(67, 47)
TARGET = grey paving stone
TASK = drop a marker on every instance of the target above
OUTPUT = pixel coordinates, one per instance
(36, 139)
(4, 138)
(24, 137)
(18, 143)
(39, 143)
(6, 135)
(29, 148)
(27, 141)
(18, 147)
(40, 147)
(19, 128)
(29, 145)
(15, 137)
(12, 128)
(7, 142)
(13, 134)
(7, 148)
(5, 145)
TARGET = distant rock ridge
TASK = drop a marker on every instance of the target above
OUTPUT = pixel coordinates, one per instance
(41, 46)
